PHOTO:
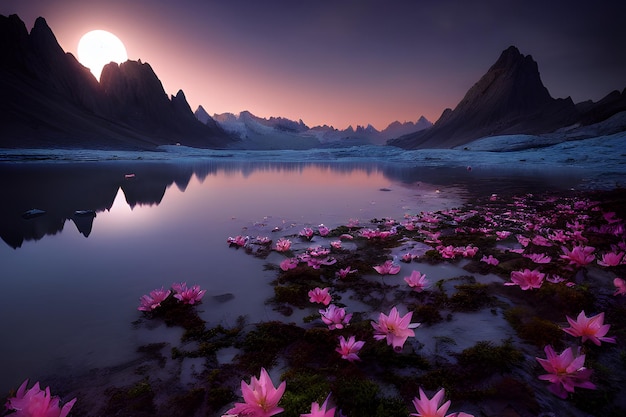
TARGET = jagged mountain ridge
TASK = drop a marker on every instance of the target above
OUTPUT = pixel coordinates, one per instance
(48, 99)
(246, 124)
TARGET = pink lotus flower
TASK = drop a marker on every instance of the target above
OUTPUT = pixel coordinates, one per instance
(589, 328)
(541, 241)
(238, 240)
(317, 411)
(565, 372)
(417, 281)
(500, 235)
(316, 263)
(349, 349)
(335, 317)
(353, 223)
(323, 230)
(579, 255)
(342, 273)
(432, 407)
(37, 403)
(346, 236)
(283, 245)
(447, 252)
(188, 295)
(336, 244)
(318, 251)
(153, 300)
(468, 251)
(263, 240)
(526, 279)
(555, 279)
(394, 328)
(539, 258)
(320, 295)
(260, 396)
(388, 268)
(289, 263)
(490, 260)
(620, 286)
(611, 259)
(524, 241)
(306, 233)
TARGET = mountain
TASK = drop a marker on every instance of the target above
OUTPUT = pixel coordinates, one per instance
(510, 98)
(48, 99)
(260, 133)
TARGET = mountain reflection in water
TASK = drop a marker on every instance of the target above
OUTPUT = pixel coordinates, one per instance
(69, 299)
(62, 190)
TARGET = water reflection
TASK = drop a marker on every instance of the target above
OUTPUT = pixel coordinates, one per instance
(68, 302)
(77, 192)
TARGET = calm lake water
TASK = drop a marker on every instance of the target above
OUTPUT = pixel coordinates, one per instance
(71, 283)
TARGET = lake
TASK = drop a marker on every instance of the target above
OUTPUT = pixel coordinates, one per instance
(112, 231)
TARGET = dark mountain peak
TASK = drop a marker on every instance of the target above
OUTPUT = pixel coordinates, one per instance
(510, 98)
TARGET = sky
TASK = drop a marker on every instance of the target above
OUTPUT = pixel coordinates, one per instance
(348, 62)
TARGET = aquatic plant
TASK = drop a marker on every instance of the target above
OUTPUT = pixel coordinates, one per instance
(35, 402)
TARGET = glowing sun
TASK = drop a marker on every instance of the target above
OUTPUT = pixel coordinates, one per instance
(99, 47)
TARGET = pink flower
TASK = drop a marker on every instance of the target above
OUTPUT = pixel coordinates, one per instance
(538, 258)
(579, 255)
(37, 403)
(283, 245)
(541, 241)
(490, 260)
(306, 233)
(394, 328)
(323, 230)
(592, 328)
(238, 240)
(620, 286)
(526, 279)
(417, 281)
(342, 273)
(349, 349)
(346, 236)
(289, 263)
(502, 234)
(188, 295)
(336, 244)
(468, 251)
(447, 252)
(565, 372)
(260, 396)
(320, 295)
(335, 317)
(611, 259)
(524, 241)
(388, 268)
(432, 407)
(153, 300)
(317, 411)
(555, 279)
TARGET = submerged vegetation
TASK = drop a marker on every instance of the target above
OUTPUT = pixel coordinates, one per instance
(382, 338)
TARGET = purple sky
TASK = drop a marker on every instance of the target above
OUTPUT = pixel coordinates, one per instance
(348, 62)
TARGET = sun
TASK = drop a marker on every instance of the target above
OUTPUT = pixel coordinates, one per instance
(99, 47)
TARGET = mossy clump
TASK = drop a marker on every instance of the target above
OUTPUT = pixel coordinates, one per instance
(186, 404)
(470, 297)
(484, 358)
(262, 345)
(134, 401)
(533, 329)
(564, 300)
(426, 314)
(303, 388)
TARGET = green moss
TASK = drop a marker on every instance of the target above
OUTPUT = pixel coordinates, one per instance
(485, 358)
(426, 314)
(303, 388)
(356, 396)
(262, 345)
(533, 329)
(136, 400)
(470, 297)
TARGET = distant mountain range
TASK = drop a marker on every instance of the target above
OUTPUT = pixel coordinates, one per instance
(49, 100)
(279, 132)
